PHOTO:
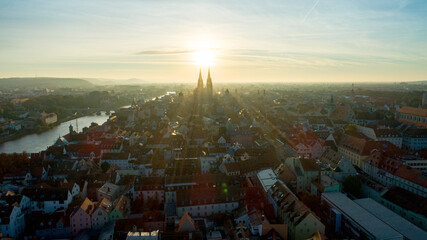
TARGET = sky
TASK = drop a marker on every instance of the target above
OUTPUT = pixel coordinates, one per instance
(241, 41)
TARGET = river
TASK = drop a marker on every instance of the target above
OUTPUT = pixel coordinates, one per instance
(34, 143)
(38, 142)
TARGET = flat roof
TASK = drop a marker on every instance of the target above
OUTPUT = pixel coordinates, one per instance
(394, 220)
(362, 217)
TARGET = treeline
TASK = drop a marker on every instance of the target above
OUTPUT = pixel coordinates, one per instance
(62, 104)
(412, 98)
(10, 163)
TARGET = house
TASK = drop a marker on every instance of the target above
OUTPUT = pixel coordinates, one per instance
(414, 139)
(22, 201)
(336, 165)
(48, 118)
(186, 224)
(121, 208)
(39, 173)
(382, 134)
(204, 202)
(150, 188)
(73, 187)
(243, 136)
(121, 160)
(51, 225)
(367, 117)
(109, 191)
(325, 184)
(12, 220)
(305, 170)
(48, 199)
(250, 219)
(357, 149)
(80, 218)
(391, 172)
(412, 116)
(207, 163)
(101, 214)
(153, 220)
(278, 231)
(23, 177)
(306, 143)
(301, 222)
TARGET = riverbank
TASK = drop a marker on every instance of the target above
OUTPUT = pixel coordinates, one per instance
(36, 142)
(45, 128)
(26, 132)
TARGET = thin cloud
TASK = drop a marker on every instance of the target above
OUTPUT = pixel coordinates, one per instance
(311, 10)
(156, 52)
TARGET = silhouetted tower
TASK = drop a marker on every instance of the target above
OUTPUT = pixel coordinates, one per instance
(200, 82)
(209, 83)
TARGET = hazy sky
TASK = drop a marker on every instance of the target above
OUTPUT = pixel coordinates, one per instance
(313, 40)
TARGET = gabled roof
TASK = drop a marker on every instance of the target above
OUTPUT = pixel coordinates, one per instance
(309, 165)
(46, 194)
(186, 224)
(87, 206)
(280, 229)
(122, 205)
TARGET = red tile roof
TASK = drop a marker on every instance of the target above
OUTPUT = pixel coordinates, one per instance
(413, 111)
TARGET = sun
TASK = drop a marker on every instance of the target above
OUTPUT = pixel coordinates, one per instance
(204, 58)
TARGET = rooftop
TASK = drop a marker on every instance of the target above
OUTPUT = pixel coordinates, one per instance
(360, 216)
(407, 229)
(413, 111)
(267, 178)
(407, 200)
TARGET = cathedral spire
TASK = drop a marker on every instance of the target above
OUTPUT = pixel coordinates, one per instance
(200, 82)
(209, 83)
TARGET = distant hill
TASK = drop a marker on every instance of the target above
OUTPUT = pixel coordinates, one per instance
(44, 82)
(131, 81)
(417, 82)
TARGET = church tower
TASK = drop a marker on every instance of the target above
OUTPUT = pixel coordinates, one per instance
(200, 82)
(209, 84)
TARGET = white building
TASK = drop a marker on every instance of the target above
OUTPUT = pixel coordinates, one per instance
(121, 160)
(12, 221)
(207, 163)
(206, 201)
(48, 199)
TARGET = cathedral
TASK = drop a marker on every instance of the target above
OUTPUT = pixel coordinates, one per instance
(204, 92)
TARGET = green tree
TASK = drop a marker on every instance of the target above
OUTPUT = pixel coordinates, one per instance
(105, 166)
(350, 128)
(352, 186)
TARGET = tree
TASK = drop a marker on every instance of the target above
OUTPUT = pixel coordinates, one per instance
(105, 166)
(350, 128)
(352, 186)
